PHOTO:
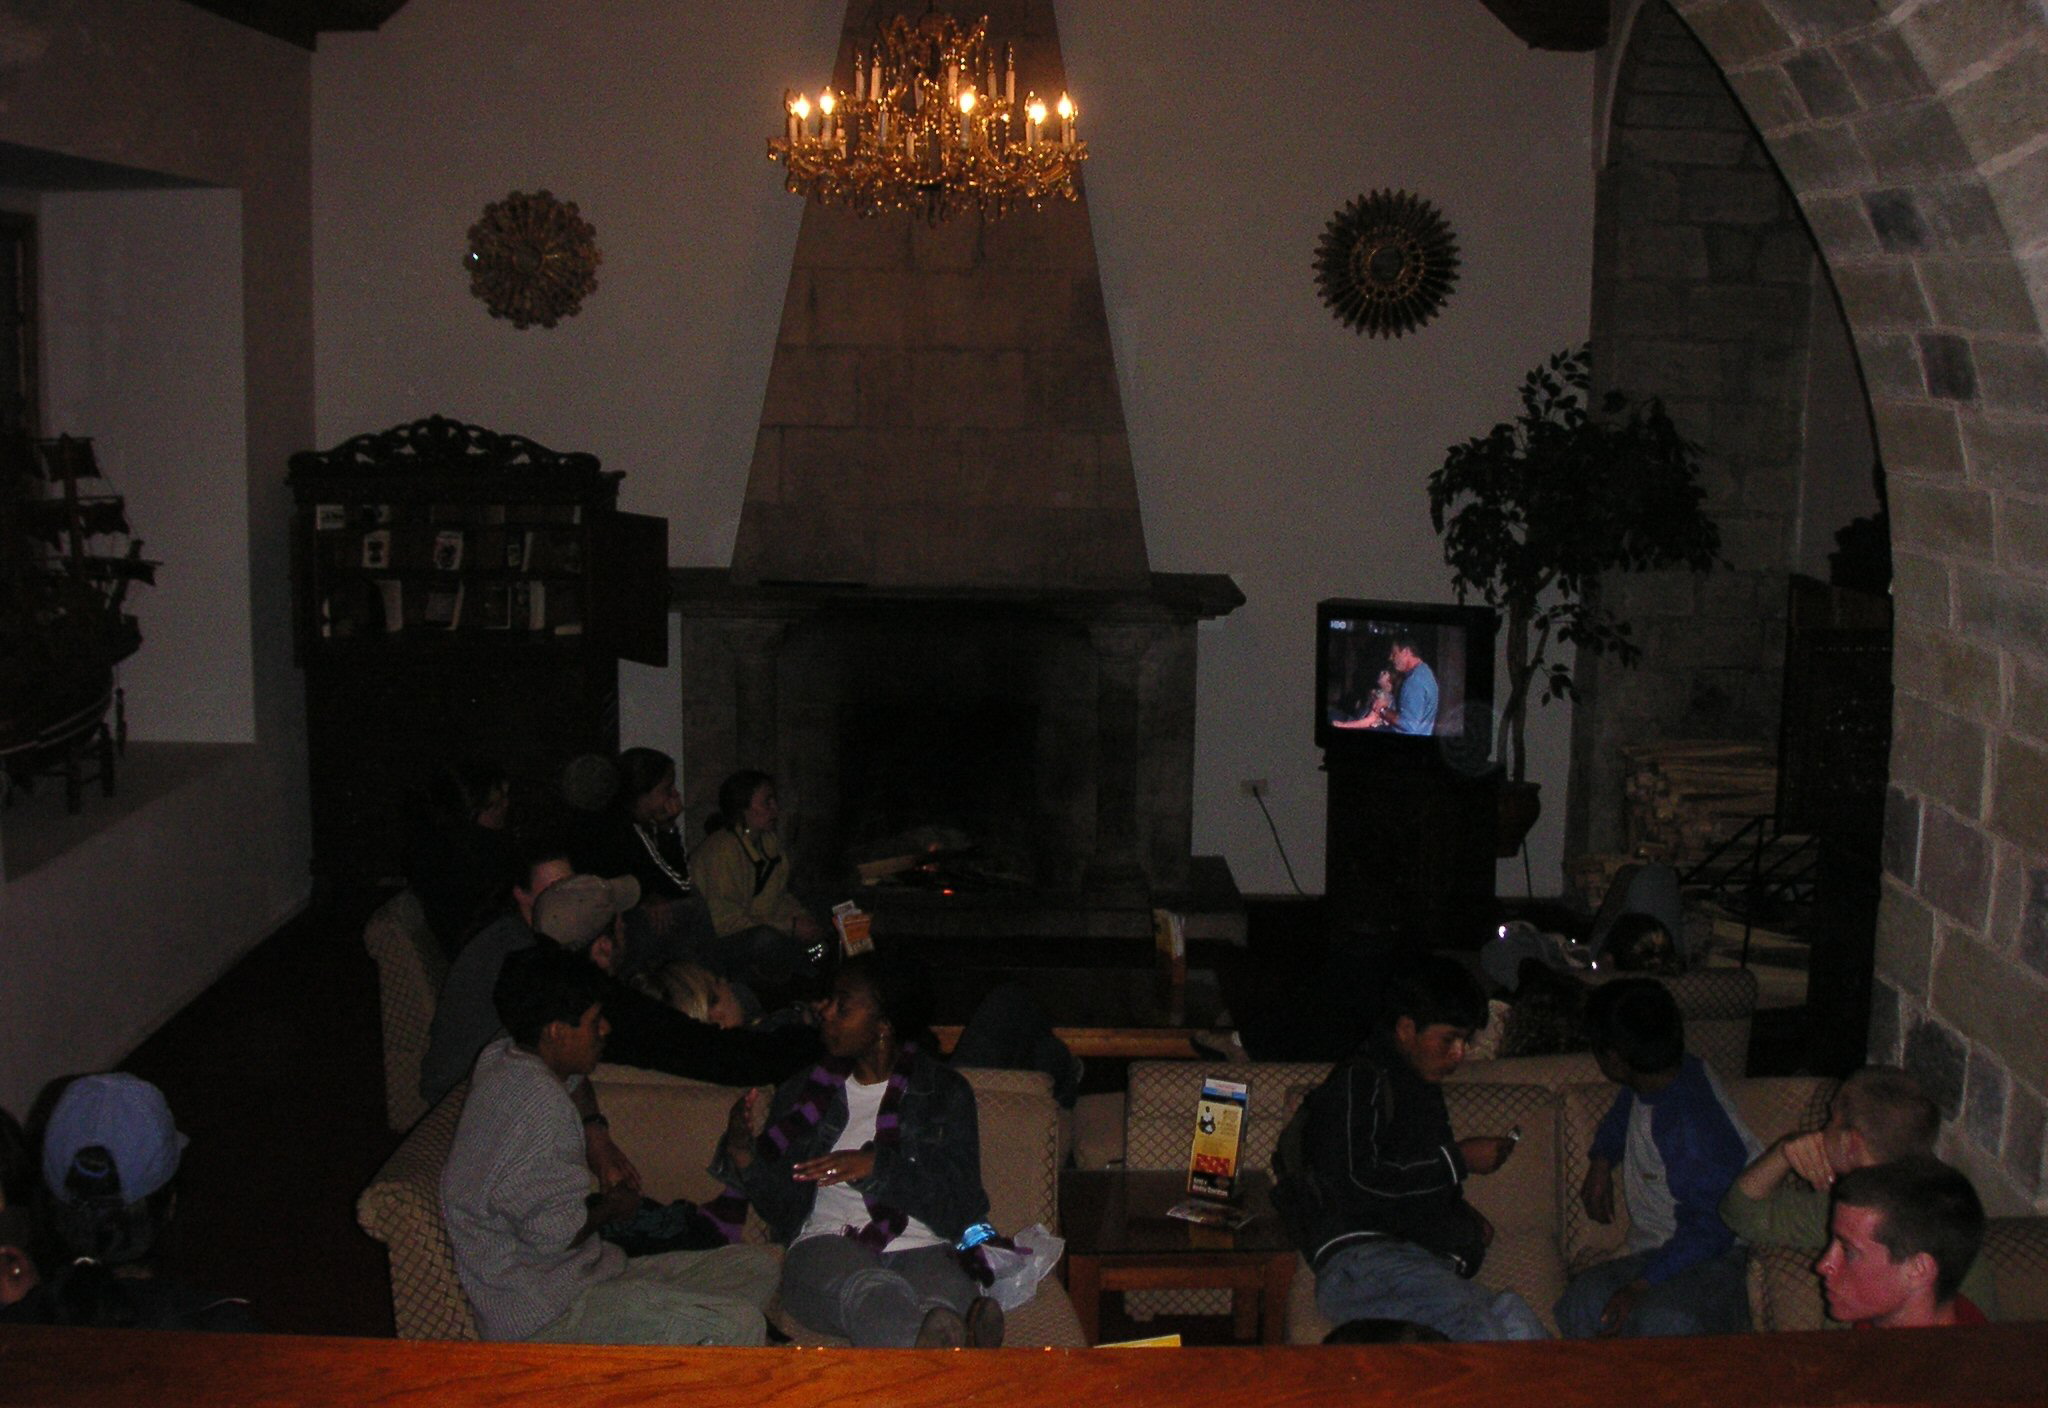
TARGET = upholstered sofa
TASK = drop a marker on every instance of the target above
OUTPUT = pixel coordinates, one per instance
(410, 970)
(1718, 1005)
(1542, 1235)
(668, 1126)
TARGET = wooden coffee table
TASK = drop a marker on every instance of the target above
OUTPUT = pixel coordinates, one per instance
(1119, 1238)
(1138, 1013)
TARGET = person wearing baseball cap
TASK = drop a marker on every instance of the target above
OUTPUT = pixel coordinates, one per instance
(110, 1154)
(110, 1149)
(585, 914)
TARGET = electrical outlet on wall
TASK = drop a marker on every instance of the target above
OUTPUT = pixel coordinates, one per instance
(1254, 786)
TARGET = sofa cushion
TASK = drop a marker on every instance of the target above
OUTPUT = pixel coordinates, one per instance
(410, 970)
(1159, 1115)
(402, 1209)
(2017, 1248)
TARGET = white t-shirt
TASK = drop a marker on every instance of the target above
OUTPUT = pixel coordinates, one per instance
(840, 1205)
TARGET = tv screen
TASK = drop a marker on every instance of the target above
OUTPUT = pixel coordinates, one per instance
(1405, 676)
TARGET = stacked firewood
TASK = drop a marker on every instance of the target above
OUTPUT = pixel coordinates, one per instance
(1684, 799)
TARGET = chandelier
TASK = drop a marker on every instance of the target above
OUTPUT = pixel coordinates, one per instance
(932, 126)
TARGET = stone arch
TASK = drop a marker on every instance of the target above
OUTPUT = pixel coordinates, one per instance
(1708, 294)
(1915, 137)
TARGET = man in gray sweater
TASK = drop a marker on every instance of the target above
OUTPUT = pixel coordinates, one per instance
(519, 1206)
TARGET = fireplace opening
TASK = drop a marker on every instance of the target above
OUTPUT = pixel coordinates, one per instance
(949, 778)
(960, 734)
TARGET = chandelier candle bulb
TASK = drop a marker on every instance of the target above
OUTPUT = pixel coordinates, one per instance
(1010, 74)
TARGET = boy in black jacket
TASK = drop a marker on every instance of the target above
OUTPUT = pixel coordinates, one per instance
(1370, 1180)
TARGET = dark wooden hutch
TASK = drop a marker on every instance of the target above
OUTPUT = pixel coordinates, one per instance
(459, 593)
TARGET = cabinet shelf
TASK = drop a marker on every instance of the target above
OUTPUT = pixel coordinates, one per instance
(398, 532)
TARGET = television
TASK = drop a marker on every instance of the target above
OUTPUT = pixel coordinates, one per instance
(1405, 678)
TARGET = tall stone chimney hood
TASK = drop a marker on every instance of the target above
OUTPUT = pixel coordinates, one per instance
(940, 612)
(942, 410)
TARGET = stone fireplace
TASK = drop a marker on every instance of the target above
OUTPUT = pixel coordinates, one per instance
(940, 618)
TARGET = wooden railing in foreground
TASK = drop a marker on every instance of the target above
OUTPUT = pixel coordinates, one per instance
(1993, 1365)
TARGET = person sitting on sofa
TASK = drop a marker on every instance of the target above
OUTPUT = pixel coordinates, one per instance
(1370, 1182)
(585, 914)
(457, 855)
(465, 1021)
(1680, 1144)
(1879, 1114)
(1901, 1237)
(517, 1202)
(742, 870)
(869, 1171)
(637, 835)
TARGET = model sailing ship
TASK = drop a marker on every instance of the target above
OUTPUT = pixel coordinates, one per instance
(67, 561)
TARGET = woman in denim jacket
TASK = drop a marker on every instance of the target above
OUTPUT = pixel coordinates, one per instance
(869, 1171)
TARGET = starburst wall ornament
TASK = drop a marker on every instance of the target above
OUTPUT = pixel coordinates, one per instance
(532, 259)
(1386, 263)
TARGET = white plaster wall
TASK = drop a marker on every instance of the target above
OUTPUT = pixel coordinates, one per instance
(1270, 442)
(102, 943)
(142, 350)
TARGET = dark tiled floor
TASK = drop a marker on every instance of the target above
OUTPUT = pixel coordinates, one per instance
(276, 1074)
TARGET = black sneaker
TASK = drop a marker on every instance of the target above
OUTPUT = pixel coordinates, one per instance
(985, 1324)
(942, 1329)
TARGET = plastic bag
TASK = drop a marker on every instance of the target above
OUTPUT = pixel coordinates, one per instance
(1019, 1271)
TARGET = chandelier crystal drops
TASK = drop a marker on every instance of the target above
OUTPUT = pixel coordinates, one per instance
(933, 126)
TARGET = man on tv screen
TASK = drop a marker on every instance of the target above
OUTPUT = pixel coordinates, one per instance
(1414, 708)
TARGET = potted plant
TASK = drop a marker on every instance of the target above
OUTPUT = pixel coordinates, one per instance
(1535, 511)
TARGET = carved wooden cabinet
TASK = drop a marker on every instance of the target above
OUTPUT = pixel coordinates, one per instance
(459, 593)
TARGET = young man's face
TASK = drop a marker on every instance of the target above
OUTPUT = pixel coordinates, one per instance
(1402, 658)
(1434, 1051)
(1611, 1065)
(1857, 1272)
(576, 1050)
(541, 876)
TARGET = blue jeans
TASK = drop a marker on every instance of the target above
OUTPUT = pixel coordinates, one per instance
(1711, 1298)
(1388, 1279)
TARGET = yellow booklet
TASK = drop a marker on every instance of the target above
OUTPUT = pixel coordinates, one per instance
(1219, 1138)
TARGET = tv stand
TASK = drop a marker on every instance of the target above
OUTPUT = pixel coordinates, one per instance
(1409, 853)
